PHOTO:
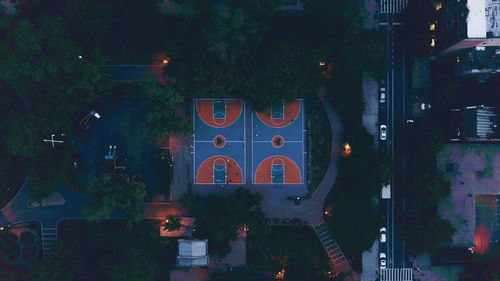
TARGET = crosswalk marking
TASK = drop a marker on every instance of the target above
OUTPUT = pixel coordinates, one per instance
(392, 6)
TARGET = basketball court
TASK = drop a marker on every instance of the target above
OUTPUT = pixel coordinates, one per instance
(269, 143)
(278, 144)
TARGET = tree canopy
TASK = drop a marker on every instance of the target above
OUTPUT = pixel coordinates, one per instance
(219, 218)
(161, 118)
(108, 194)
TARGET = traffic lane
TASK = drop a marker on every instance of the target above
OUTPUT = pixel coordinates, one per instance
(400, 122)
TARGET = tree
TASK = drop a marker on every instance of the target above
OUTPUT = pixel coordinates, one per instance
(162, 101)
(133, 265)
(109, 193)
(428, 188)
(24, 138)
(50, 169)
(424, 231)
(237, 276)
(172, 223)
(228, 31)
(219, 218)
(287, 72)
(43, 64)
(64, 263)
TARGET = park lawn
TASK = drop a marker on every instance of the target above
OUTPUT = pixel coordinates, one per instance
(295, 248)
(321, 139)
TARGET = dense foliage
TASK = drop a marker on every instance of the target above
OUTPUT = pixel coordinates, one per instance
(295, 249)
(219, 218)
(108, 193)
(105, 251)
(424, 230)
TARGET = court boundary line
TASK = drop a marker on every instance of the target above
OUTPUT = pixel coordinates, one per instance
(285, 141)
(213, 141)
(196, 107)
(244, 143)
(304, 164)
(279, 155)
(195, 175)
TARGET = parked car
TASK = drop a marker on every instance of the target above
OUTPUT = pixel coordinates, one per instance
(425, 106)
(383, 132)
(383, 235)
(382, 95)
(386, 191)
(383, 261)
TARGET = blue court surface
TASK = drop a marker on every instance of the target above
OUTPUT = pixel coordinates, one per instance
(269, 143)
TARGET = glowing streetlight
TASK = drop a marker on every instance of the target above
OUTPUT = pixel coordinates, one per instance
(432, 27)
(281, 274)
(433, 42)
(347, 149)
(80, 57)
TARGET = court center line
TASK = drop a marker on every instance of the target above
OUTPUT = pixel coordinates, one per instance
(213, 141)
(284, 141)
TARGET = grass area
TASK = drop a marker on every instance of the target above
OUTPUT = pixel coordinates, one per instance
(321, 139)
(294, 248)
(163, 170)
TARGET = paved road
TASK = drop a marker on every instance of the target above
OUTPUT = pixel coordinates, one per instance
(394, 115)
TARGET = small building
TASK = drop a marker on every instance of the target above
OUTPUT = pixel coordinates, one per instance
(474, 124)
(192, 253)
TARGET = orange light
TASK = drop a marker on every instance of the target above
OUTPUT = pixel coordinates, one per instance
(347, 149)
(281, 274)
(166, 61)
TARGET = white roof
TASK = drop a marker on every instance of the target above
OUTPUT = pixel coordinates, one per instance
(476, 20)
(192, 252)
(192, 248)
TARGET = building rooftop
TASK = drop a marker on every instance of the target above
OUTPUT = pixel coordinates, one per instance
(483, 20)
(474, 123)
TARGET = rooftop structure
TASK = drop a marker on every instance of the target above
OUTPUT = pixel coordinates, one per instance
(192, 253)
(474, 124)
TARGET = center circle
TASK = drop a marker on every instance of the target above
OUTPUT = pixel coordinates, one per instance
(278, 141)
(219, 141)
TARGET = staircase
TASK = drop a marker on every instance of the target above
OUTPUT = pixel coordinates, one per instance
(49, 238)
(337, 259)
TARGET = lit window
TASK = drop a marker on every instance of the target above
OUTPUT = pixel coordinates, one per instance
(432, 27)
(433, 43)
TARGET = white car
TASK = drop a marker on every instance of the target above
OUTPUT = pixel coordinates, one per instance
(383, 261)
(383, 132)
(386, 191)
(425, 106)
(382, 95)
(383, 235)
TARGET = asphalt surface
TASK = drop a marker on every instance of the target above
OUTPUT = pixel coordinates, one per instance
(393, 114)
